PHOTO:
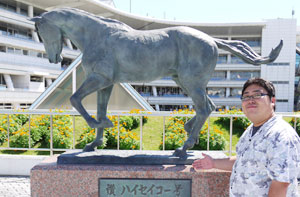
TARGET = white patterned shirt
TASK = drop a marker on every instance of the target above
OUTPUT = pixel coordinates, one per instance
(273, 153)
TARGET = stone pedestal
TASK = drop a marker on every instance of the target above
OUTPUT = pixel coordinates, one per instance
(51, 179)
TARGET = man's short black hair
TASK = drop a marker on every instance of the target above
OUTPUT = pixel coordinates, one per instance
(267, 85)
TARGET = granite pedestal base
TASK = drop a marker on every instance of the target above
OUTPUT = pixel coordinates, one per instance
(52, 179)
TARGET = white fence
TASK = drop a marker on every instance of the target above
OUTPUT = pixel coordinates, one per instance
(118, 114)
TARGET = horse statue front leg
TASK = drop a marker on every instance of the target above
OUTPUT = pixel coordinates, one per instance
(91, 84)
(102, 101)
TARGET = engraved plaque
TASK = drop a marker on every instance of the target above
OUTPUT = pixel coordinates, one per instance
(145, 187)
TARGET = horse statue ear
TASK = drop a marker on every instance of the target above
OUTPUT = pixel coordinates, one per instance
(36, 19)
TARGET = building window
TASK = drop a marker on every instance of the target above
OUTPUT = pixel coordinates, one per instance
(2, 48)
(235, 92)
(236, 60)
(65, 63)
(216, 92)
(222, 59)
(166, 78)
(2, 81)
(170, 92)
(25, 105)
(279, 64)
(280, 82)
(35, 78)
(6, 106)
(25, 52)
(15, 31)
(10, 50)
(219, 75)
(171, 107)
(282, 100)
(18, 51)
(143, 90)
(243, 75)
(3, 30)
(33, 53)
(24, 12)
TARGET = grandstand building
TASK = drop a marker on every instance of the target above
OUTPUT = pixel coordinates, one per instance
(25, 71)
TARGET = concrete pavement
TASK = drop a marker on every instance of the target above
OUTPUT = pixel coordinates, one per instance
(14, 186)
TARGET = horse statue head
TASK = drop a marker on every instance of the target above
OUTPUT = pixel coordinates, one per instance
(52, 38)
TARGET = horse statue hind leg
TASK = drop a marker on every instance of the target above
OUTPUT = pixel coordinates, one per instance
(203, 107)
(193, 76)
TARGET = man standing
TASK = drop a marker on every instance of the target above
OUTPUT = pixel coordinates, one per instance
(268, 152)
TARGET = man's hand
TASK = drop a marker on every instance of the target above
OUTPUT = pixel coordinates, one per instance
(208, 163)
(278, 189)
(205, 163)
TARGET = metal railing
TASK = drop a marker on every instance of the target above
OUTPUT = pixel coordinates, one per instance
(73, 114)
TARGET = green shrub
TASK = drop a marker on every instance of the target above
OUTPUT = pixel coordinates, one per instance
(217, 140)
(292, 123)
(132, 122)
(20, 139)
(21, 119)
(175, 135)
(13, 127)
(239, 124)
(62, 131)
(128, 139)
(40, 131)
(89, 136)
(128, 122)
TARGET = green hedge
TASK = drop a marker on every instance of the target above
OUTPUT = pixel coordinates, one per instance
(239, 124)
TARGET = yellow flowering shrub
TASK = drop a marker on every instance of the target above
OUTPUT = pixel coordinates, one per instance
(128, 139)
(40, 132)
(15, 123)
(175, 135)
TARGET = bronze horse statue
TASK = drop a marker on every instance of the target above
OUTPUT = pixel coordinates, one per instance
(113, 53)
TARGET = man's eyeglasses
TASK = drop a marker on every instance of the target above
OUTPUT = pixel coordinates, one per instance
(255, 96)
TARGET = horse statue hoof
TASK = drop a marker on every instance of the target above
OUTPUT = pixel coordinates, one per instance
(105, 123)
(179, 152)
(88, 148)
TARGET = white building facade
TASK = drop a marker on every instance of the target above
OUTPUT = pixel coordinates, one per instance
(25, 71)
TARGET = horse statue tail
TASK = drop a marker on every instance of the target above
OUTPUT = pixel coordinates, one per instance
(246, 53)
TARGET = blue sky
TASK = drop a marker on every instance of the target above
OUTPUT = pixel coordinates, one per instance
(212, 11)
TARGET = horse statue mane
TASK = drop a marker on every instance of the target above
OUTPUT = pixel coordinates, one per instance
(116, 53)
(74, 12)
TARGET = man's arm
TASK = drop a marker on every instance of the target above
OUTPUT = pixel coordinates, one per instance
(278, 189)
(208, 163)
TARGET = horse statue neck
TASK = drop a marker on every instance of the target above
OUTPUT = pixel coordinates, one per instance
(77, 24)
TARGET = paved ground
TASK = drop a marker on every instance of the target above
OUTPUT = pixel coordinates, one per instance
(14, 186)
(19, 186)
